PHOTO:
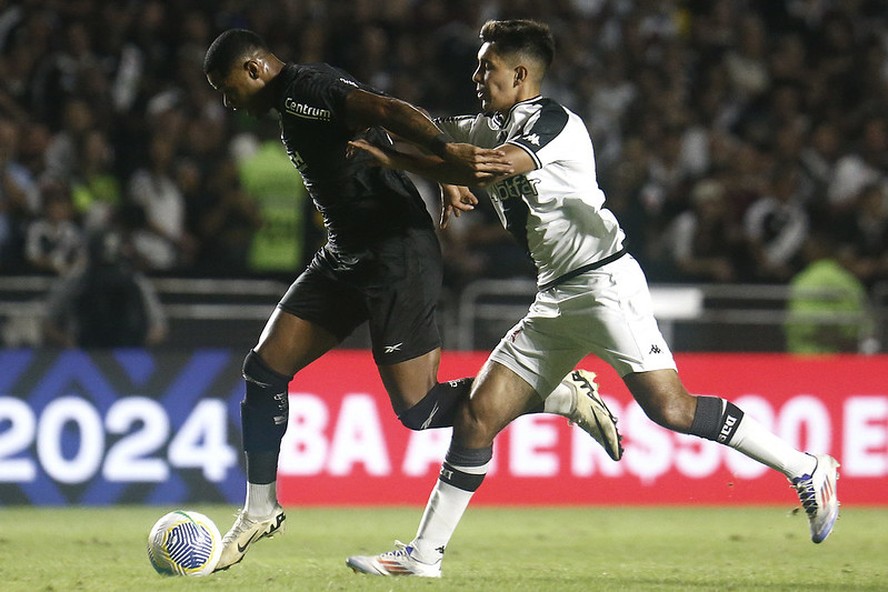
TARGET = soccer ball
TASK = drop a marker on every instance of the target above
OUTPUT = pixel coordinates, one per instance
(184, 543)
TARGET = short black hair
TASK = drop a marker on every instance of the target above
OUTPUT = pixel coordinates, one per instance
(228, 47)
(529, 37)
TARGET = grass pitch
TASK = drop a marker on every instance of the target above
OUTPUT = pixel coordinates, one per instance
(495, 549)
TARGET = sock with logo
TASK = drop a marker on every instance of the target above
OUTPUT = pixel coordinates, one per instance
(721, 421)
(461, 475)
(437, 408)
(264, 418)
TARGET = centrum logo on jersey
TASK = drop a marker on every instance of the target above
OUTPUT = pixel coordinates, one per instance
(513, 187)
(306, 111)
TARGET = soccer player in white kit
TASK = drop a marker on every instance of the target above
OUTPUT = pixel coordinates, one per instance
(593, 298)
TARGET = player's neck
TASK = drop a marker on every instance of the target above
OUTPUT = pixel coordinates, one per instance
(520, 98)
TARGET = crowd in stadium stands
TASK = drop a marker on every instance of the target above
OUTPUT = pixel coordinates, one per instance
(727, 132)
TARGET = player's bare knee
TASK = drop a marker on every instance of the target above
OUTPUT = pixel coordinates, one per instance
(664, 401)
(471, 428)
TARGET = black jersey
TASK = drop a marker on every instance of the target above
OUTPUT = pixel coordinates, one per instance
(361, 202)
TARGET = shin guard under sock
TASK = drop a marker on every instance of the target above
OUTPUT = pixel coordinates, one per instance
(264, 418)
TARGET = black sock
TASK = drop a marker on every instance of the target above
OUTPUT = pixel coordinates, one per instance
(264, 418)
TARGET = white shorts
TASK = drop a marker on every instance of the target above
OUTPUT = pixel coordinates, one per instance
(606, 312)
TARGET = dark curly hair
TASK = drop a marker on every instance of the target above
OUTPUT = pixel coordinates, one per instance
(528, 37)
(228, 47)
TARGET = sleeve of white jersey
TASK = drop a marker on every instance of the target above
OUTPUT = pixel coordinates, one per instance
(458, 127)
(546, 136)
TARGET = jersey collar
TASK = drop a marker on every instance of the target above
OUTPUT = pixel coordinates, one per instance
(500, 120)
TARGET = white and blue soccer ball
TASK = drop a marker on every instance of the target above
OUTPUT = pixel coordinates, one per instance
(184, 543)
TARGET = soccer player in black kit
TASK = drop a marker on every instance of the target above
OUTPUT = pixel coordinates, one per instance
(381, 264)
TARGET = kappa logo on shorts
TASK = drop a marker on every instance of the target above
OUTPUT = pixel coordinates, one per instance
(393, 348)
(655, 349)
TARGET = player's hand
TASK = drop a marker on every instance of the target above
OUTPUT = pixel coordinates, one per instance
(385, 158)
(455, 199)
(483, 162)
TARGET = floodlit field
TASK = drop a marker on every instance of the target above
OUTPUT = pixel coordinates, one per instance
(495, 549)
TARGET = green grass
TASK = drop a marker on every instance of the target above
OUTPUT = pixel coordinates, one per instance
(495, 549)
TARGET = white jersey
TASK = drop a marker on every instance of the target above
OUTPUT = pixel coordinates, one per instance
(556, 210)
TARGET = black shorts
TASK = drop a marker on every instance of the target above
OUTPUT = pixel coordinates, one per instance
(395, 285)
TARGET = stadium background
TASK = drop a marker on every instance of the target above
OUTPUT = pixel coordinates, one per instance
(773, 111)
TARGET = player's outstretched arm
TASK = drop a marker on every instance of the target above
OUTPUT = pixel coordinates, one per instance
(464, 163)
(438, 169)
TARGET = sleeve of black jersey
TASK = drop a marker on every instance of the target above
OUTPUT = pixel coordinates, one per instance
(327, 86)
(541, 130)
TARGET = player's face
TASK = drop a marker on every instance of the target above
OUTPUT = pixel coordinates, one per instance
(240, 89)
(495, 80)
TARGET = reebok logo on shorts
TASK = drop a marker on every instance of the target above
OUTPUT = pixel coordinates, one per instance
(393, 348)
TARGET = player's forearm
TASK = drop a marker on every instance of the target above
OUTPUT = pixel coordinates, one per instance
(397, 116)
(434, 168)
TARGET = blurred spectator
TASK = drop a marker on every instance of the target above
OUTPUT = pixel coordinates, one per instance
(104, 302)
(776, 227)
(54, 242)
(824, 288)
(866, 165)
(63, 152)
(819, 157)
(865, 236)
(266, 175)
(95, 188)
(669, 177)
(746, 61)
(222, 217)
(19, 196)
(154, 188)
(705, 242)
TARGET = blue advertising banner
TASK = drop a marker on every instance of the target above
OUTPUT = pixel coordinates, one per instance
(122, 426)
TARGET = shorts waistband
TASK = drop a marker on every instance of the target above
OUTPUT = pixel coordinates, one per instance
(581, 270)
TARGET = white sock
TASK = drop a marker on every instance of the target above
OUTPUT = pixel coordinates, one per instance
(560, 400)
(261, 499)
(442, 513)
(757, 442)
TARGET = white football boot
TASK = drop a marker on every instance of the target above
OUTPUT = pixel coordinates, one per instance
(590, 413)
(399, 562)
(817, 492)
(244, 532)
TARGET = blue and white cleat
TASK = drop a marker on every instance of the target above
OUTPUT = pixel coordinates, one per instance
(399, 562)
(817, 492)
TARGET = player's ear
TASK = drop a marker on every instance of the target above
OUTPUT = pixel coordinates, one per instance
(520, 75)
(252, 67)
